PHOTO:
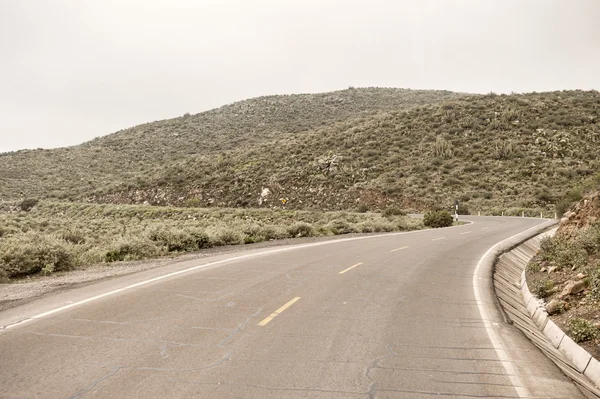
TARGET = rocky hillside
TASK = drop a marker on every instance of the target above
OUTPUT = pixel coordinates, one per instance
(491, 152)
(566, 273)
(366, 148)
(129, 155)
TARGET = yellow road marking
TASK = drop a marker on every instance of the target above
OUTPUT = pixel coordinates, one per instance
(278, 311)
(466, 232)
(398, 249)
(351, 267)
(439, 238)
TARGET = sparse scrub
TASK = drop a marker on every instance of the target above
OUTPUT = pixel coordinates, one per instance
(582, 330)
(542, 288)
(29, 253)
(60, 236)
(393, 211)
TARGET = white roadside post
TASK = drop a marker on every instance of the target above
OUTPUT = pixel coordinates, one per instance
(456, 211)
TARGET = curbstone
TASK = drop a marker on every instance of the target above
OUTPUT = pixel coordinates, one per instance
(592, 371)
(554, 333)
(580, 359)
(575, 353)
(532, 306)
(540, 317)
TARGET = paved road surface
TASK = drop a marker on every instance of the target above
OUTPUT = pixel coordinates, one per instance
(388, 317)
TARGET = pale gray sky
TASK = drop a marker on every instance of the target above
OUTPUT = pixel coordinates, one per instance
(71, 70)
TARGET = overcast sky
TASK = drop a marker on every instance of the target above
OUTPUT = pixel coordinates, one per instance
(74, 70)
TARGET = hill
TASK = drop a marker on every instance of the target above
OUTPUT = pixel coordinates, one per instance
(494, 153)
(69, 173)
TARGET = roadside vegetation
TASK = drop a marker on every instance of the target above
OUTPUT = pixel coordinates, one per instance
(51, 237)
(566, 271)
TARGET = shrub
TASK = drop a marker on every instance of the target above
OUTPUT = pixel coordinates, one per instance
(180, 240)
(226, 236)
(463, 209)
(342, 227)
(438, 219)
(74, 236)
(582, 330)
(594, 282)
(393, 211)
(28, 204)
(301, 230)
(31, 252)
(362, 208)
(542, 288)
(131, 248)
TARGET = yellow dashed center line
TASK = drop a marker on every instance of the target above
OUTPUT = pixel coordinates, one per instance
(439, 238)
(350, 268)
(398, 249)
(278, 311)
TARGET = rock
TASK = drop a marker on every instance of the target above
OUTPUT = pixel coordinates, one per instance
(581, 276)
(552, 269)
(543, 270)
(572, 287)
(553, 307)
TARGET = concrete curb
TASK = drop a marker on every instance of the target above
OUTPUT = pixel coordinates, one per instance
(585, 363)
(575, 361)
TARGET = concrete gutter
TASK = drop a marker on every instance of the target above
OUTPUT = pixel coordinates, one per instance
(527, 312)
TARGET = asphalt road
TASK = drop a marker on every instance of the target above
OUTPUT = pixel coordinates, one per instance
(393, 316)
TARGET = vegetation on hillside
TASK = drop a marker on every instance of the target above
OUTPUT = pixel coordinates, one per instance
(58, 236)
(356, 148)
(493, 153)
(137, 154)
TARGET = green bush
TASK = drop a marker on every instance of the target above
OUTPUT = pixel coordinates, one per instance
(28, 204)
(565, 203)
(594, 281)
(131, 248)
(438, 219)
(393, 211)
(226, 236)
(582, 330)
(463, 209)
(28, 253)
(180, 240)
(542, 288)
(301, 230)
(74, 236)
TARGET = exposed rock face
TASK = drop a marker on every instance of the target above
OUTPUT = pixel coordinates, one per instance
(586, 213)
(572, 288)
(554, 307)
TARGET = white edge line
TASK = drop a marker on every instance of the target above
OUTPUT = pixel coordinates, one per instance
(495, 341)
(235, 258)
